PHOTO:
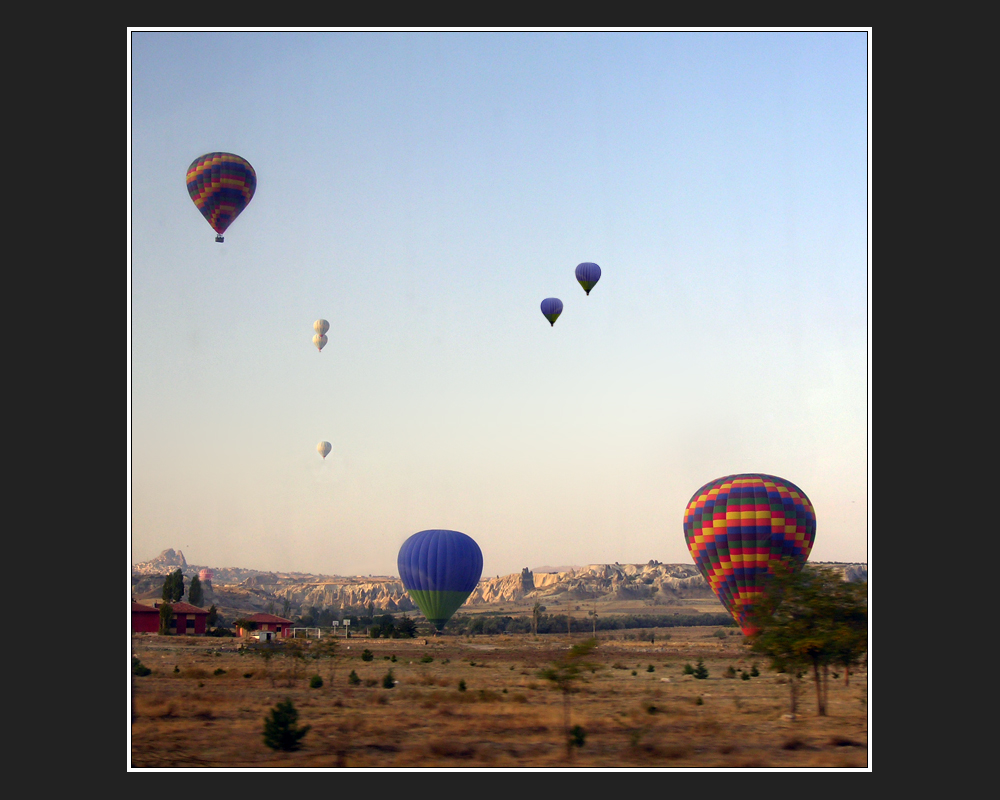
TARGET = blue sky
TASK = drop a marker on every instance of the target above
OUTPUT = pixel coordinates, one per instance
(424, 192)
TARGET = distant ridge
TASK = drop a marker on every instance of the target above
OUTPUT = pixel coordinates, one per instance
(556, 569)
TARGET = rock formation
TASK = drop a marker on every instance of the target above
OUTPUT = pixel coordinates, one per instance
(235, 591)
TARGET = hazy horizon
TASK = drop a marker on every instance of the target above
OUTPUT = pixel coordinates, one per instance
(424, 192)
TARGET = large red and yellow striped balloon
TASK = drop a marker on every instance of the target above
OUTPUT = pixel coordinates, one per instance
(221, 186)
(738, 527)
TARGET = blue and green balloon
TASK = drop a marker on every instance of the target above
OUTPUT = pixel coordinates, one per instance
(552, 307)
(439, 570)
(588, 274)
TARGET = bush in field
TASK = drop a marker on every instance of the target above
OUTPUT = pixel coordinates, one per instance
(281, 729)
(367, 655)
(138, 668)
(315, 682)
(353, 678)
(389, 680)
(700, 671)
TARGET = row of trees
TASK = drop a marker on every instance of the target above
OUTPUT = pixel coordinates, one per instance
(173, 589)
(809, 621)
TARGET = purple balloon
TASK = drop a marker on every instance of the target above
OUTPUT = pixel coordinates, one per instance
(552, 308)
(588, 274)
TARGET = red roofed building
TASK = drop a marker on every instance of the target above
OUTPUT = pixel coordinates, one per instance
(268, 622)
(145, 619)
(185, 619)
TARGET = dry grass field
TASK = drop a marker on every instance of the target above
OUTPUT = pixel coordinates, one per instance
(204, 705)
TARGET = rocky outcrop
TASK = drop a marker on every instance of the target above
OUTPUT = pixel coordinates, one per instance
(237, 591)
(623, 581)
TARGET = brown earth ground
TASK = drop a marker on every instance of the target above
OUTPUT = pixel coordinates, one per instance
(204, 705)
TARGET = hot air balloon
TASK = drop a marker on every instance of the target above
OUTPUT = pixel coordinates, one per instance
(738, 527)
(323, 448)
(439, 570)
(552, 307)
(588, 274)
(321, 326)
(221, 186)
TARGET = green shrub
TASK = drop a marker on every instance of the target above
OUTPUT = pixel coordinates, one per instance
(426, 659)
(700, 671)
(219, 671)
(315, 682)
(353, 678)
(719, 634)
(688, 669)
(389, 680)
(367, 655)
(577, 736)
(461, 685)
(650, 668)
(138, 668)
(281, 729)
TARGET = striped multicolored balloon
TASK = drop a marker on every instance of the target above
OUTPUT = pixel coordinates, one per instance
(221, 186)
(738, 527)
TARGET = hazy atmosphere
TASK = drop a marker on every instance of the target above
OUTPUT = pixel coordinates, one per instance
(424, 192)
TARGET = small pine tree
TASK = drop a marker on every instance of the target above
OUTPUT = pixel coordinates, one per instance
(700, 671)
(195, 592)
(353, 678)
(389, 680)
(281, 729)
(166, 614)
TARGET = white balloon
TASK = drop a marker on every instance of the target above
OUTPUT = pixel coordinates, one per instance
(320, 341)
(324, 448)
(321, 326)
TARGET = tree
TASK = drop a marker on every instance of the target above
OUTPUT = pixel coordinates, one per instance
(406, 628)
(809, 619)
(281, 729)
(565, 672)
(196, 593)
(173, 586)
(213, 616)
(166, 614)
(536, 614)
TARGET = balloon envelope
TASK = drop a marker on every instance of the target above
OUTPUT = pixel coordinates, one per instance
(738, 527)
(552, 307)
(221, 186)
(320, 341)
(588, 274)
(321, 326)
(439, 569)
(323, 448)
